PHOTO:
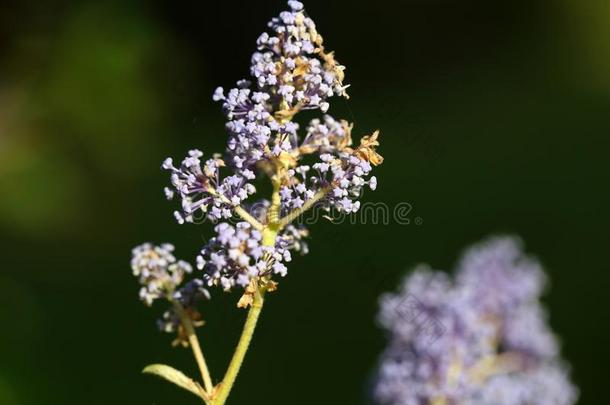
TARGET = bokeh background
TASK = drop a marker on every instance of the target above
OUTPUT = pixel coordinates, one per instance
(494, 117)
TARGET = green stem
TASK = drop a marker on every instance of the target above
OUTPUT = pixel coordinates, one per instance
(194, 343)
(269, 232)
(240, 351)
(248, 218)
(274, 210)
(224, 388)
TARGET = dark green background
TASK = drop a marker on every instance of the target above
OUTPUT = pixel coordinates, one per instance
(494, 117)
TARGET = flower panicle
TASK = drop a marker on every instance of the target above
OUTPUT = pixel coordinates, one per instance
(290, 71)
(162, 276)
(481, 339)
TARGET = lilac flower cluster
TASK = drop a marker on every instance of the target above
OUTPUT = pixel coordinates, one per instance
(483, 339)
(342, 177)
(237, 254)
(290, 72)
(289, 62)
(201, 188)
(326, 137)
(161, 277)
(157, 270)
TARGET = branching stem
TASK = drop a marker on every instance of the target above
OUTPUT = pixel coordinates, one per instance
(269, 236)
(238, 209)
(245, 215)
(291, 216)
(219, 394)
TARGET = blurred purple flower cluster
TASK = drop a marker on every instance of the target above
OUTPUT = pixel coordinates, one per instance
(482, 339)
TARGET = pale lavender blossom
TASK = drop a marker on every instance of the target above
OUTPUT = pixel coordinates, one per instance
(482, 339)
(161, 276)
(327, 136)
(157, 270)
(344, 175)
(201, 189)
(236, 255)
(290, 72)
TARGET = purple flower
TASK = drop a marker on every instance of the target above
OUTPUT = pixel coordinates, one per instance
(237, 254)
(291, 72)
(161, 277)
(483, 339)
(202, 190)
(343, 175)
(327, 137)
(157, 270)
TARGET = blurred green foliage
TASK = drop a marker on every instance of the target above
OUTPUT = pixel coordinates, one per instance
(493, 116)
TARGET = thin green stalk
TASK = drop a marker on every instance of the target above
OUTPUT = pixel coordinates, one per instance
(245, 215)
(238, 209)
(194, 343)
(240, 351)
(269, 231)
(269, 235)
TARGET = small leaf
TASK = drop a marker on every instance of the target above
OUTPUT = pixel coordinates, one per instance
(176, 377)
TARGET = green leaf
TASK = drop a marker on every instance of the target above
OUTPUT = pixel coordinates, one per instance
(174, 376)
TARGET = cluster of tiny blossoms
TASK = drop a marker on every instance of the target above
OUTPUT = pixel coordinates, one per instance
(290, 72)
(482, 339)
(236, 254)
(161, 276)
(202, 190)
